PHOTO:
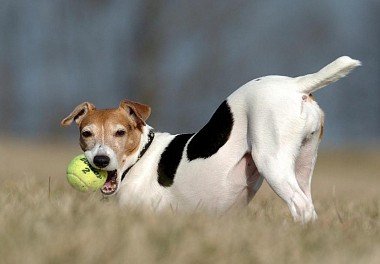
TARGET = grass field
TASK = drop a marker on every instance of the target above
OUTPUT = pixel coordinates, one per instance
(70, 227)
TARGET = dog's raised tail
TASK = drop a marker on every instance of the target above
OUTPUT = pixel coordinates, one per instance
(329, 74)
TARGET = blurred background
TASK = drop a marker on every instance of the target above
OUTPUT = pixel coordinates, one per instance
(183, 58)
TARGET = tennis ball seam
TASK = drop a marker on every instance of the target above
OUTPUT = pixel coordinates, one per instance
(79, 179)
(72, 174)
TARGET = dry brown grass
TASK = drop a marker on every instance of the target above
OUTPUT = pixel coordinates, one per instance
(71, 227)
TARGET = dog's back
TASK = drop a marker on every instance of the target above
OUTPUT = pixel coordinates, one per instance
(275, 128)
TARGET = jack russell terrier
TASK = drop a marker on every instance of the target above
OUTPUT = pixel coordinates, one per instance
(268, 129)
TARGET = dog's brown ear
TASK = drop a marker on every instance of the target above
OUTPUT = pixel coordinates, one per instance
(78, 114)
(140, 112)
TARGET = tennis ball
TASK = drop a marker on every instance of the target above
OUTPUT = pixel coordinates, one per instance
(83, 177)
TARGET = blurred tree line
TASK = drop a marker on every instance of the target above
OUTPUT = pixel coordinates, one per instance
(182, 58)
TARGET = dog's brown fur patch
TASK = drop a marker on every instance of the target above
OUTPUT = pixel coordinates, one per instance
(104, 124)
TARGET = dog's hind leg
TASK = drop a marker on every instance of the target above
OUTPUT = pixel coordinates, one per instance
(279, 173)
(275, 156)
(305, 163)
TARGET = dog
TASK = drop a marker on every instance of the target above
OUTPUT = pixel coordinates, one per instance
(269, 128)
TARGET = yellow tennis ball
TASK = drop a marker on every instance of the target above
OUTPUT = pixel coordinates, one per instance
(83, 177)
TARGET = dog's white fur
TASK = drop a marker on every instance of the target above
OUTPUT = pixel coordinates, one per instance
(275, 136)
(275, 121)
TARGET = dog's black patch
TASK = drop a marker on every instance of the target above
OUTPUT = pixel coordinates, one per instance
(170, 158)
(213, 135)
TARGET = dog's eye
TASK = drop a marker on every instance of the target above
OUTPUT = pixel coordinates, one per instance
(120, 133)
(86, 134)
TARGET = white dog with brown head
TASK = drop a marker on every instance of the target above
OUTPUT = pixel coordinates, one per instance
(268, 129)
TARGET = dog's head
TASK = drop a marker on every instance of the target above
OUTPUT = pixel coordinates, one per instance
(110, 138)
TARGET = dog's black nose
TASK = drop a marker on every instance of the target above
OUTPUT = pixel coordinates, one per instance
(101, 161)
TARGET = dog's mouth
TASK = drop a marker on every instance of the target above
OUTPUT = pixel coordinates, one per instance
(111, 184)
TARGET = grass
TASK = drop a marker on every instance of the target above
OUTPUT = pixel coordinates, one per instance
(71, 227)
